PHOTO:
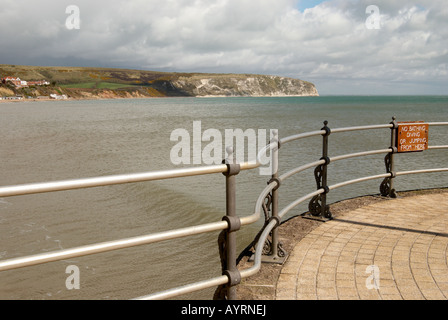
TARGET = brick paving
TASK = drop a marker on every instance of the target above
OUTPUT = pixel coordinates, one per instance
(390, 250)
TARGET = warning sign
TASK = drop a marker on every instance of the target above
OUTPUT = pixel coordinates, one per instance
(412, 136)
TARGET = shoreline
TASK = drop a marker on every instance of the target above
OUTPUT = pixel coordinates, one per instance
(141, 98)
(79, 99)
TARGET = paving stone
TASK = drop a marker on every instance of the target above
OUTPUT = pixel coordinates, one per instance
(406, 239)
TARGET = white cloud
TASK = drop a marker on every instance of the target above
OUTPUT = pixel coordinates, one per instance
(322, 44)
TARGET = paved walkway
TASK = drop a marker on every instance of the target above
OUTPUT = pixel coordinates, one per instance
(395, 249)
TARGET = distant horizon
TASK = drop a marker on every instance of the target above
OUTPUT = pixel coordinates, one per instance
(341, 46)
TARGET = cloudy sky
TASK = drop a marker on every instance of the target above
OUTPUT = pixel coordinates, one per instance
(343, 46)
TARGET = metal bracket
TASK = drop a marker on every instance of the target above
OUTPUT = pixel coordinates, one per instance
(267, 206)
(326, 128)
(318, 175)
(275, 180)
(277, 220)
(267, 246)
(233, 167)
(267, 251)
(315, 207)
(386, 186)
(233, 222)
(234, 277)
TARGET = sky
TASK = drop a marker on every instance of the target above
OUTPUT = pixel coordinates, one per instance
(344, 47)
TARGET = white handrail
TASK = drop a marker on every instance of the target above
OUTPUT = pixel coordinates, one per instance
(66, 185)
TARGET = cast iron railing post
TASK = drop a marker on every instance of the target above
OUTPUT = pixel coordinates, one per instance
(272, 250)
(387, 186)
(275, 195)
(231, 270)
(318, 204)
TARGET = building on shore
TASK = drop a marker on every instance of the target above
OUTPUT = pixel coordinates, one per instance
(18, 97)
(58, 97)
(19, 83)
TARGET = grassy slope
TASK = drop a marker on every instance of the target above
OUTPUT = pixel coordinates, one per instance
(85, 77)
(77, 75)
(79, 81)
(83, 81)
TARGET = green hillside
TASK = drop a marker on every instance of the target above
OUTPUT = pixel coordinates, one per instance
(84, 82)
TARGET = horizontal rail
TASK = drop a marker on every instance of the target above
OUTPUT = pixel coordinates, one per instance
(108, 180)
(347, 129)
(123, 243)
(65, 185)
(385, 175)
(299, 201)
(26, 189)
(300, 169)
(217, 281)
(271, 225)
(336, 158)
(437, 147)
(109, 246)
(360, 154)
(346, 183)
(402, 173)
(216, 226)
(301, 136)
(258, 205)
(201, 285)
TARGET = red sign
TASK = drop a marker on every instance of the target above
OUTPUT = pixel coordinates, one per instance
(412, 136)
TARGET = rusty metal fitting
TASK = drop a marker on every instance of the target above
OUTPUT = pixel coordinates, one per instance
(394, 123)
(275, 180)
(277, 220)
(275, 139)
(233, 167)
(279, 144)
(327, 160)
(233, 222)
(234, 277)
(327, 130)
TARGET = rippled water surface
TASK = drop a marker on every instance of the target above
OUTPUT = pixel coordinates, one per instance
(42, 141)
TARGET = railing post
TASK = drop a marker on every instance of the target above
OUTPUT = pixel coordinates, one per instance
(275, 195)
(318, 204)
(325, 212)
(387, 186)
(273, 251)
(230, 268)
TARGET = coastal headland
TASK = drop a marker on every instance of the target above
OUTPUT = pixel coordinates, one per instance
(106, 83)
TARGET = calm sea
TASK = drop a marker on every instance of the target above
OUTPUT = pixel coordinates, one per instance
(49, 141)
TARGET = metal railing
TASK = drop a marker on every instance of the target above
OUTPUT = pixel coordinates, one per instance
(231, 223)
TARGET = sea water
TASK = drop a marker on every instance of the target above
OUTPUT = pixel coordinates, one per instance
(60, 140)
